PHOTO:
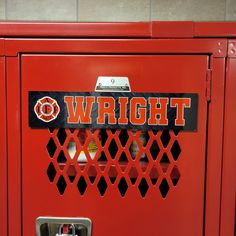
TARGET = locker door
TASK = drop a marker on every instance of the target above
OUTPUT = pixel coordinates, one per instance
(157, 191)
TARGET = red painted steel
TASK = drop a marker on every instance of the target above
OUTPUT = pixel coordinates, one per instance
(154, 29)
(215, 29)
(171, 29)
(14, 145)
(214, 150)
(151, 214)
(217, 47)
(28, 184)
(2, 49)
(3, 159)
(29, 29)
(228, 207)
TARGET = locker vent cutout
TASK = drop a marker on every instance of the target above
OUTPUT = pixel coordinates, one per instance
(114, 159)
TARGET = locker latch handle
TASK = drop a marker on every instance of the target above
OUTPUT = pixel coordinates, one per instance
(64, 226)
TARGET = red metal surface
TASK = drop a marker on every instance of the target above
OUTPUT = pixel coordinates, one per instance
(214, 150)
(154, 29)
(215, 29)
(79, 74)
(65, 75)
(3, 160)
(171, 29)
(2, 51)
(229, 155)
(217, 47)
(14, 146)
(29, 29)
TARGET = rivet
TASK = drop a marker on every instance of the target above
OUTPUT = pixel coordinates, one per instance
(232, 51)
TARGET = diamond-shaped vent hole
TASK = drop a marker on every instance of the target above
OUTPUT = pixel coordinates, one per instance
(134, 149)
(113, 130)
(91, 130)
(102, 158)
(143, 162)
(155, 132)
(82, 185)
(133, 175)
(82, 136)
(143, 187)
(82, 157)
(176, 131)
(154, 150)
(61, 185)
(154, 175)
(51, 147)
(144, 137)
(123, 161)
(164, 188)
(113, 149)
(102, 186)
(51, 172)
(92, 173)
(165, 138)
(112, 173)
(164, 162)
(123, 136)
(61, 135)
(175, 175)
(61, 157)
(71, 148)
(104, 137)
(144, 158)
(164, 158)
(51, 130)
(72, 130)
(92, 148)
(71, 172)
(175, 150)
(122, 186)
(82, 160)
(102, 161)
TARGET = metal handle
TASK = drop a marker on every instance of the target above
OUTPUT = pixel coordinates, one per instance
(47, 225)
(72, 226)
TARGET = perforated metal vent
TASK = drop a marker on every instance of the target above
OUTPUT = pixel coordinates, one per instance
(106, 159)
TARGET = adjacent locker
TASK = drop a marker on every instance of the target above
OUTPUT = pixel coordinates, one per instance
(228, 208)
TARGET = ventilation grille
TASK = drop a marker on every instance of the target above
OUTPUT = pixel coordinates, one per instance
(120, 159)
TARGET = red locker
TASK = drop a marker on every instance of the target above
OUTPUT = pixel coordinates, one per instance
(153, 155)
(229, 160)
(3, 153)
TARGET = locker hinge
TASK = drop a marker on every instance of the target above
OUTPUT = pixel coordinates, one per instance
(208, 85)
